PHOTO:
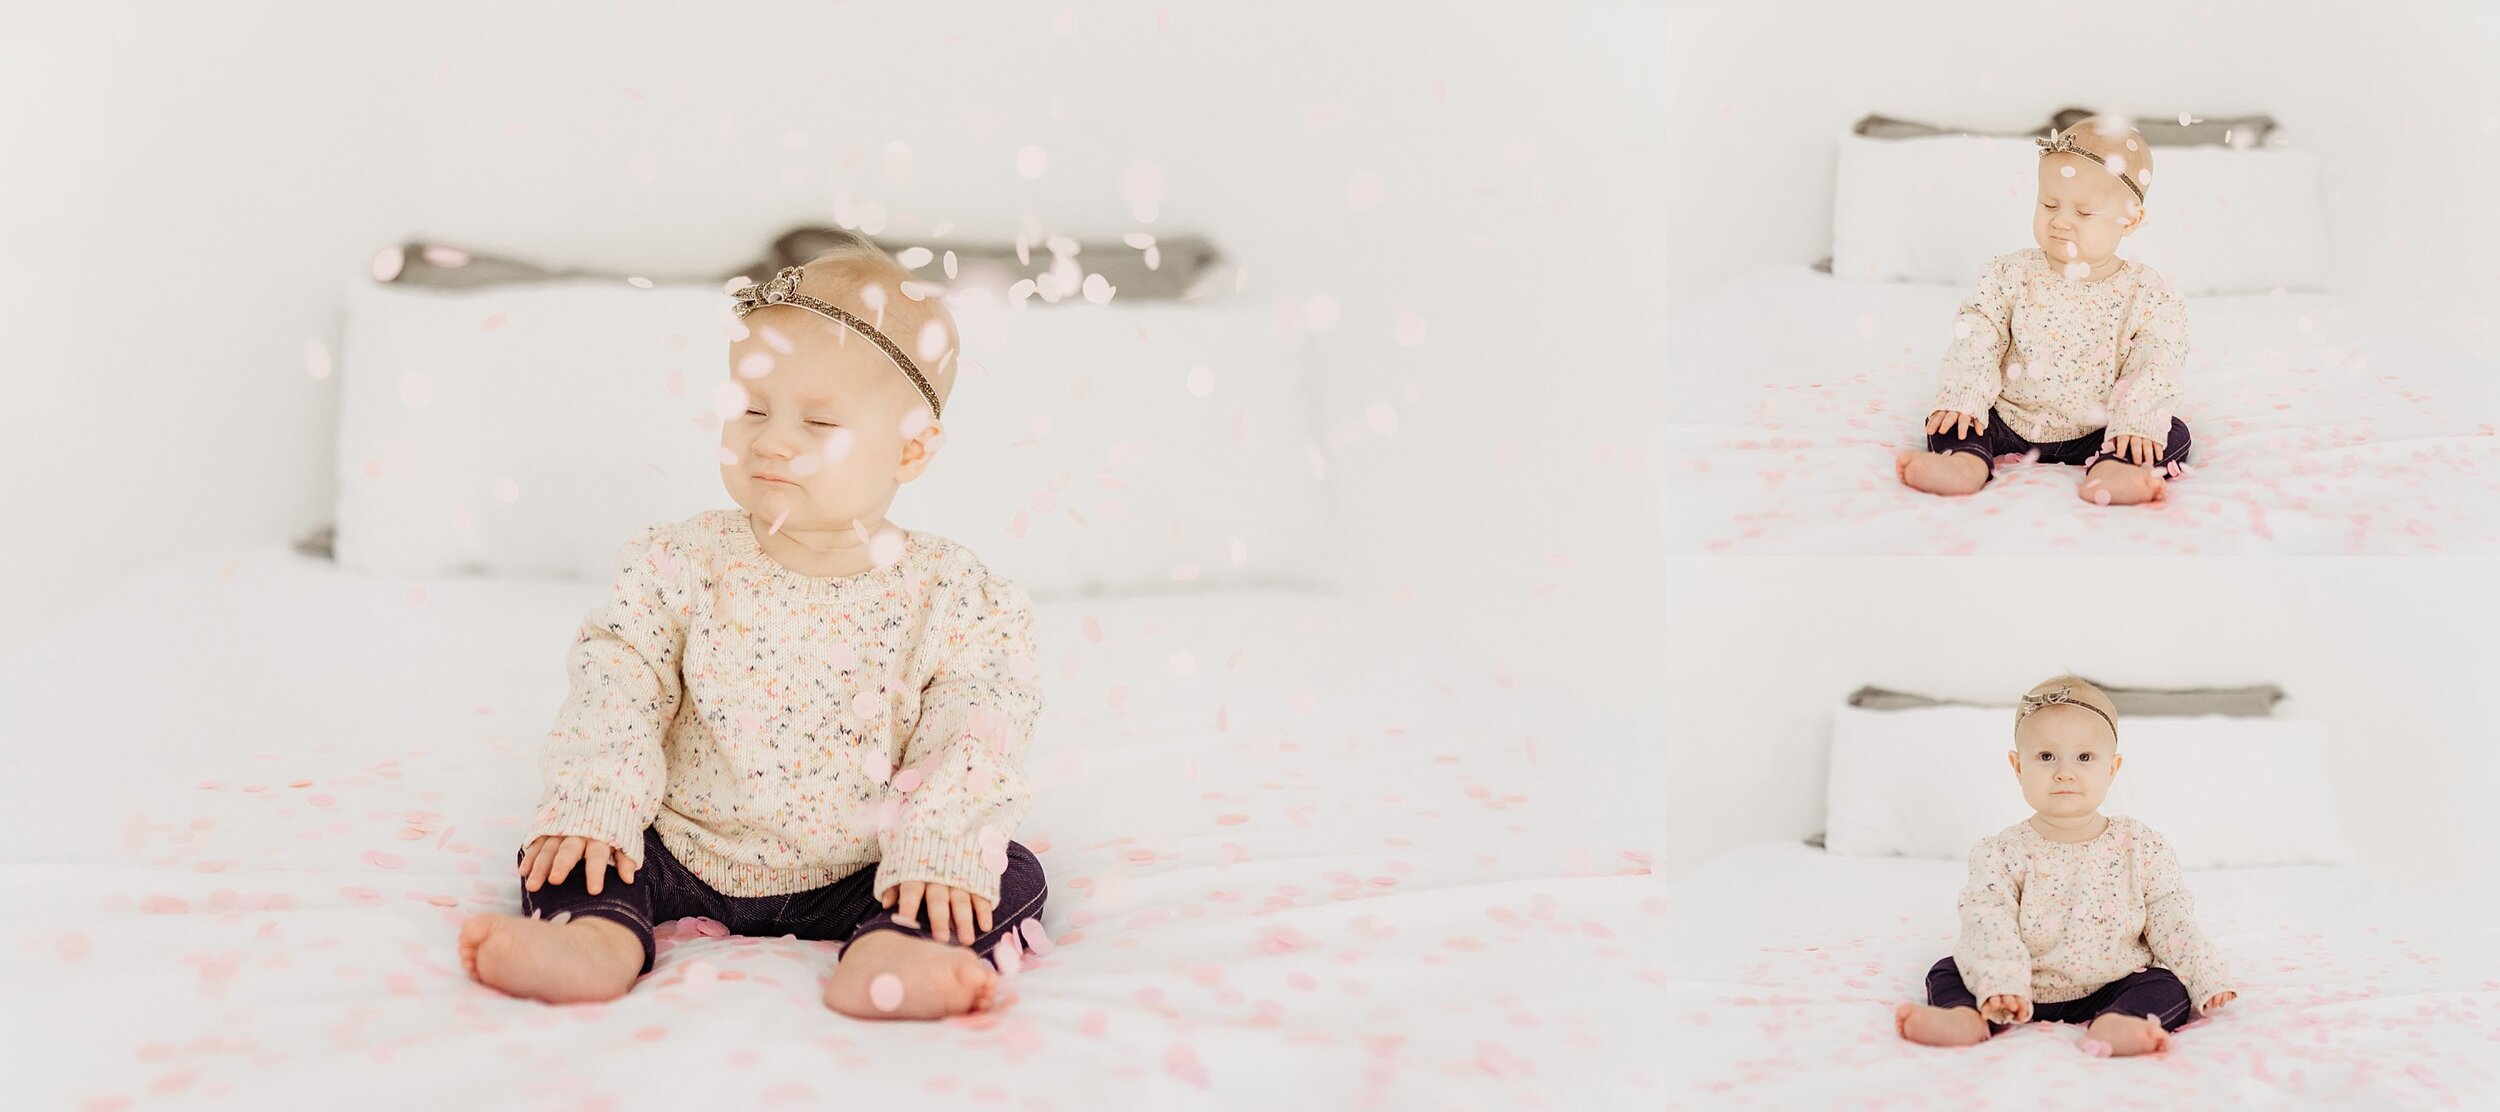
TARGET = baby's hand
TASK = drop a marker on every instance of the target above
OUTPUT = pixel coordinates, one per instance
(1946, 420)
(2005, 1009)
(947, 907)
(2215, 1003)
(557, 854)
(2135, 449)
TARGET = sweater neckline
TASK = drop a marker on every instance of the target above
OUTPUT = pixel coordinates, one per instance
(2126, 269)
(2109, 825)
(744, 545)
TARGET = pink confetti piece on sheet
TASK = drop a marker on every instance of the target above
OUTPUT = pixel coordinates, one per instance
(702, 977)
(381, 860)
(1182, 1062)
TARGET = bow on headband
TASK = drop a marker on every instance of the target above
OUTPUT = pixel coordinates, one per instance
(2065, 144)
(2063, 696)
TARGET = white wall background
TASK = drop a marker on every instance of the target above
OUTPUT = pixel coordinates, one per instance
(2395, 655)
(2400, 99)
(193, 185)
(190, 188)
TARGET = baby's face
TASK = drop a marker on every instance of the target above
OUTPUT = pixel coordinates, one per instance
(829, 433)
(2064, 757)
(2082, 211)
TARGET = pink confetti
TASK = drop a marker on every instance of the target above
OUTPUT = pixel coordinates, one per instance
(701, 976)
(1036, 939)
(995, 731)
(886, 992)
(886, 548)
(1182, 1062)
(907, 780)
(381, 860)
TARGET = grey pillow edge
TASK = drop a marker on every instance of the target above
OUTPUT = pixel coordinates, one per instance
(2245, 701)
(1187, 259)
(2159, 131)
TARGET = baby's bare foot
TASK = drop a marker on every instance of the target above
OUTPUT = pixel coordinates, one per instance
(576, 961)
(1941, 472)
(893, 975)
(2113, 483)
(1933, 1026)
(2115, 1035)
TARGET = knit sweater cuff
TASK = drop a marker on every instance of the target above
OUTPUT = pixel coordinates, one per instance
(1996, 978)
(610, 817)
(933, 856)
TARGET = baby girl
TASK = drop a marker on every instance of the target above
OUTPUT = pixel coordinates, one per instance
(795, 717)
(2067, 354)
(2071, 916)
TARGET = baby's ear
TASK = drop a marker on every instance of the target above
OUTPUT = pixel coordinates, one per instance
(918, 449)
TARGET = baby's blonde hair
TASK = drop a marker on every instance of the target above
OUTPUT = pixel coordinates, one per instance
(910, 311)
(2112, 138)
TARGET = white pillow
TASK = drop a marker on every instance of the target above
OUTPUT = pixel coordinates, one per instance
(1082, 458)
(2226, 221)
(1937, 209)
(2225, 792)
(523, 430)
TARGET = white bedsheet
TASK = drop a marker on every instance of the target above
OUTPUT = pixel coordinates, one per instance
(1784, 964)
(1311, 860)
(2321, 424)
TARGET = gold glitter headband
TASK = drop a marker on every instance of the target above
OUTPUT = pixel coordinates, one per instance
(784, 290)
(2065, 696)
(2065, 144)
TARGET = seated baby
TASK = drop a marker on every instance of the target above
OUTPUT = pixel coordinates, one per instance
(794, 717)
(2071, 916)
(2067, 353)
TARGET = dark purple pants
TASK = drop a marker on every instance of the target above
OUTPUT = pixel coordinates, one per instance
(2155, 992)
(2000, 439)
(664, 889)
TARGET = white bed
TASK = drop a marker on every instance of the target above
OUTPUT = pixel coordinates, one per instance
(2321, 425)
(2354, 993)
(1312, 860)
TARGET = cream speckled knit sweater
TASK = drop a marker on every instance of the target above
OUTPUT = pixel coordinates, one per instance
(767, 723)
(2058, 358)
(2054, 921)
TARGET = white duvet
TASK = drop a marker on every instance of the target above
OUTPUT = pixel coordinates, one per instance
(2352, 994)
(1295, 857)
(2320, 426)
